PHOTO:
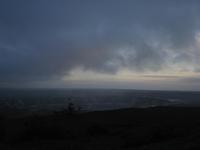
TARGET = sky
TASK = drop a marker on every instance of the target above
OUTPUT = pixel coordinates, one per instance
(128, 44)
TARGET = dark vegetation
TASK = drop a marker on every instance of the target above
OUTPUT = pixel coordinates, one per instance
(161, 128)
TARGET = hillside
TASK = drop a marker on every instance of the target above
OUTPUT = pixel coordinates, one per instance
(138, 129)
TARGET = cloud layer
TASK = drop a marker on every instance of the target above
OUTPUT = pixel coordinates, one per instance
(47, 39)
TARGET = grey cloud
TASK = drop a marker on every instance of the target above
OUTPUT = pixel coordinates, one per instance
(193, 80)
(45, 39)
(162, 76)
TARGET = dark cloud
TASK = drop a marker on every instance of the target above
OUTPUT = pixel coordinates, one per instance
(45, 39)
(162, 76)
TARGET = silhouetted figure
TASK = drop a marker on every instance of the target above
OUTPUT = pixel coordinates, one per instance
(71, 108)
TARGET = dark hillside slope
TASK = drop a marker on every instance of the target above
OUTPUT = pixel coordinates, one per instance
(138, 129)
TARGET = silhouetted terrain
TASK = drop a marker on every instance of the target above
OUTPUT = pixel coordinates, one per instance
(138, 129)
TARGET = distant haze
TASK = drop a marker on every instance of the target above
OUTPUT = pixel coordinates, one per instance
(137, 44)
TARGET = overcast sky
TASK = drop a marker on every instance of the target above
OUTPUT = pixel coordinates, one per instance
(140, 44)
